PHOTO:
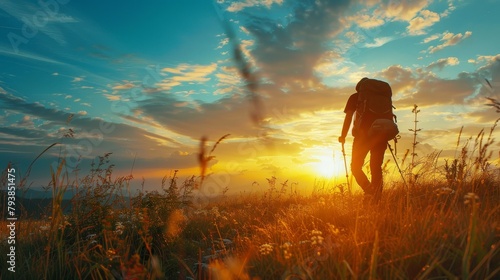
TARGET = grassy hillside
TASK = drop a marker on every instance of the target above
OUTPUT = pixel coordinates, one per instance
(444, 225)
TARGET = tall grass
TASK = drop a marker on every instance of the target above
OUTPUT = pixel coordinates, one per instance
(451, 230)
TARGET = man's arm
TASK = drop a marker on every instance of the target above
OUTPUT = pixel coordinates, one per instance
(346, 125)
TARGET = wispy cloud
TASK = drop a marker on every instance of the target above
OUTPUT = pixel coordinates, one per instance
(431, 38)
(229, 81)
(415, 13)
(404, 10)
(26, 121)
(186, 73)
(441, 63)
(331, 64)
(125, 86)
(488, 59)
(28, 56)
(449, 39)
(451, 7)
(353, 37)
(364, 20)
(378, 42)
(222, 43)
(238, 6)
(54, 121)
(419, 23)
(112, 97)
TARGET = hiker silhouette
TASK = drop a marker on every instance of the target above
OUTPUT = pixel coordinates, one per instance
(371, 107)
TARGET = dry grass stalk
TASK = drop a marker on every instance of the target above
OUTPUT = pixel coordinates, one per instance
(204, 158)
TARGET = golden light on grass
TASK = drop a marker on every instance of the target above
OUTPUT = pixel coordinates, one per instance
(174, 223)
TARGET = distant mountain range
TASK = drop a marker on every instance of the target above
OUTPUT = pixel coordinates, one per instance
(42, 194)
(35, 203)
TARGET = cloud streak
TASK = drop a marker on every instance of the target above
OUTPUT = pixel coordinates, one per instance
(240, 5)
(426, 18)
(123, 136)
(441, 63)
(449, 39)
(185, 73)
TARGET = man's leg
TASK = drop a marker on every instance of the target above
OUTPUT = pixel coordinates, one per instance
(376, 161)
(360, 149)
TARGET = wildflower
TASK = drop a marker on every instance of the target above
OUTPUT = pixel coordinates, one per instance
(333, 229)
(470, 198)
(44, 227)
(444, 191)
(316, 237)
(215, 212)
(64, 224)
(119, 227)
(137, 217)
(319, 251)
(286, 250)
(111, 254)
(266, 249)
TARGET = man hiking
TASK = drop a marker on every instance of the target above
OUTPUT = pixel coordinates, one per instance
(371, 107)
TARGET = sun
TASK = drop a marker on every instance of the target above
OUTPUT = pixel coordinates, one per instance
(329, 165)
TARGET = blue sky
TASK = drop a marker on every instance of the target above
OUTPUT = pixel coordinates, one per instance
(146, 81)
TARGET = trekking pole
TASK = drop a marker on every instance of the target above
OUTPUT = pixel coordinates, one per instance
(346, 171)
(400, 173)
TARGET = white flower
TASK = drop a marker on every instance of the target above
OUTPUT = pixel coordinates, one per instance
(64, 224)
(119, 227)
(316, 237)
(215, 212)
(470, 198)
(286, 250)
(44, 227)
(265, 249)
(444, 191)
(91, 236)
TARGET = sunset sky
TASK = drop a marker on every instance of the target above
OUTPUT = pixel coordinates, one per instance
(147, 81)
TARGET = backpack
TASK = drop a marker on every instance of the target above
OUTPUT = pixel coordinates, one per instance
(374, 116)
